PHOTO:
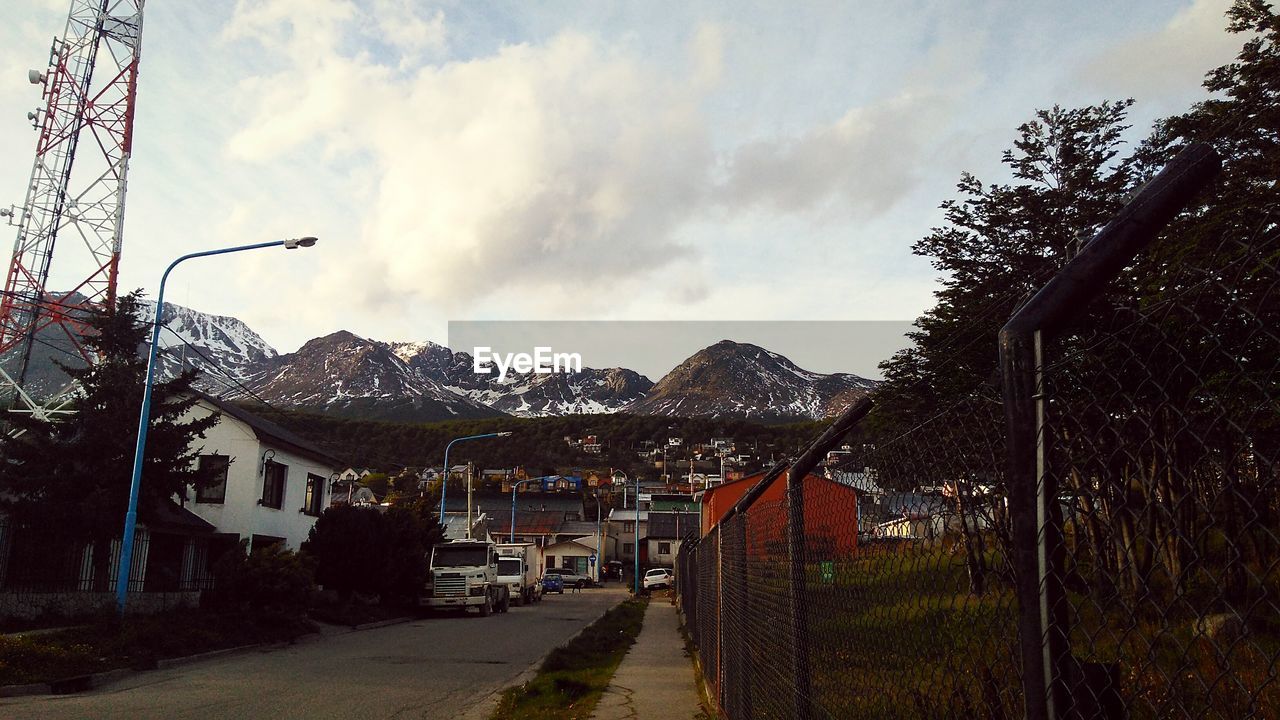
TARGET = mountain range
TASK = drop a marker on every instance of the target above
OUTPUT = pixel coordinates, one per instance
(352, 376)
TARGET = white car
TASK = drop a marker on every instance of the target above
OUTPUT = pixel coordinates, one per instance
(658, 578)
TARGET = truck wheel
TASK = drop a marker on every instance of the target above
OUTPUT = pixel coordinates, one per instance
(487, 608)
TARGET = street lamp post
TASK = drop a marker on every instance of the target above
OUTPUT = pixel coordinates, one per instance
(599, 557)
(444, 486)
(144, 416)
(512, 537)
(637, 546)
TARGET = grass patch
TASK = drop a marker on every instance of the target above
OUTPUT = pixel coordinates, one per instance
(574, 676)
(138, 642)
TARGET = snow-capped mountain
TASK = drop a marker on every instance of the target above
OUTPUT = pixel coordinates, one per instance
(221, 347)
(346, 374)
(591, 391)
(732, 379)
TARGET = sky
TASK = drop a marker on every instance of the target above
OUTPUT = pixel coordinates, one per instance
(605, 161)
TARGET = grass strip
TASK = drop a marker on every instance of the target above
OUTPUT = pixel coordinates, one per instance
(138, 642)
(574, 676)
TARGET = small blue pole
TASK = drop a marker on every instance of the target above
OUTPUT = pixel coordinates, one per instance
(144, 416)
(444, 486)
(518, 483)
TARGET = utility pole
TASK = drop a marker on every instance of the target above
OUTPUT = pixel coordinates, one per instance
(469, 468)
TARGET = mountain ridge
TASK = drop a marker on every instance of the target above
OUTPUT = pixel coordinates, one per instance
(348, 375)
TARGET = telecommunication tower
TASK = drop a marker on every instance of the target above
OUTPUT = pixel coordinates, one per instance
(75, 198)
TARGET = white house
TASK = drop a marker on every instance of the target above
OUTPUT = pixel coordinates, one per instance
(274, 482)
(352, 474)
(622, 534)
(666, 533)
(572, 554)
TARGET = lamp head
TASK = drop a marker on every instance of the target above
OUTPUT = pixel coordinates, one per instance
(292, 243)
(504, 434)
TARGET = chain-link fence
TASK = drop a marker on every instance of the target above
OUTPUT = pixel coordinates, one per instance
(1089, 532)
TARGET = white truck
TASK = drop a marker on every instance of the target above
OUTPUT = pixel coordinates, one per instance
(520, 569)
(464, 574)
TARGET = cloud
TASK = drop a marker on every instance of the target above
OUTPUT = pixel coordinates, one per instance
(1158, 64)
(549, 167)
(409, 32)
(548, 171)
(865, 161)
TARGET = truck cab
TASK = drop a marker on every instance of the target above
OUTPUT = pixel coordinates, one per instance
(464, 574)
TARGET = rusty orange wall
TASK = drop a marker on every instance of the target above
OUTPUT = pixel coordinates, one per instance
(831, 513)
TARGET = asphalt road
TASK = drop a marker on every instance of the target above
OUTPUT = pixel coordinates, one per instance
(436, 667)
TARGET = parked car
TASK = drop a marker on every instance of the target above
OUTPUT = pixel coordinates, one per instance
(658, 578)
(571, 578)
(613, 570)
(552, 582)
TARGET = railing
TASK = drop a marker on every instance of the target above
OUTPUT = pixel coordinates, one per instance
(1088, 531)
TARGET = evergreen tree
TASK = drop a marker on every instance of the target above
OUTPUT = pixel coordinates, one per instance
(68, 481)
(1000, 243)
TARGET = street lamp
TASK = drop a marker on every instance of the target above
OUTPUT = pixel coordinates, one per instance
(444, 486)
(513, 506)
(144, 416)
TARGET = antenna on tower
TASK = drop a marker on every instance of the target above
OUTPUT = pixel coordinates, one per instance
(76, 194)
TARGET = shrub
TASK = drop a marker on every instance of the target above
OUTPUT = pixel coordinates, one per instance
(349, 544)
(411, 532)
(269, 578)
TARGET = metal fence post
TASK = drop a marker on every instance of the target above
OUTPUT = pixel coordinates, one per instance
(799, 605)
(1044, 621)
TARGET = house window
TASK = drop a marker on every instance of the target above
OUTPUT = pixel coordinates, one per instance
(664, 548)
(274, 475)
(626, 548)
(629, 526)
(262, 542)
(216, 466)
(314, 499)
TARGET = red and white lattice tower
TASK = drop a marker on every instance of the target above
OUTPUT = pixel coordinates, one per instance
(75, 199)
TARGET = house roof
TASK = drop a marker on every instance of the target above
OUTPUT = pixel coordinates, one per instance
(455, 525)
(578, 527)
(572, 543)
(528, 523)
(625, 514)
(268, 431)
(663, 525)
(168, 517)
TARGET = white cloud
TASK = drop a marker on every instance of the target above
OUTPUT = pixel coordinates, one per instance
(1158, 64)
(551, 170)
(409, 32)
(865, 161)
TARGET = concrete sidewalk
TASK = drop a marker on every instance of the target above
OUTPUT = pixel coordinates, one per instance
(655, 679)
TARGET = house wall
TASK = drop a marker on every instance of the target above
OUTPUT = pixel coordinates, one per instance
(617, 538)
(555, 555)
(240, 511)
(830, 509)
(659, 559)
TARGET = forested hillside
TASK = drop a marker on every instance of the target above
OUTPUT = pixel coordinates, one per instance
(537, 443)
